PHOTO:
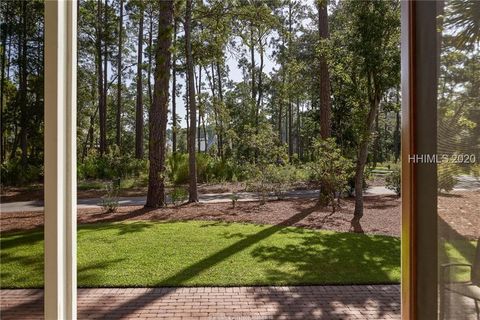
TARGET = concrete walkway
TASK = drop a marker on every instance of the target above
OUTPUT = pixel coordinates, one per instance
(203, 198)
(218, 303)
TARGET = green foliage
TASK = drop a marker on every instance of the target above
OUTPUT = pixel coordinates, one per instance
(255, 119)
(234, 197)
(110, 199)
(475, 170)
(209, 169)
(178, 195)
(271, 178)
(110, 166)
(207, 253)
(260, 145)
(330, 170)
(447, 176)
(14, 173)
(177, 168)
(393, 180)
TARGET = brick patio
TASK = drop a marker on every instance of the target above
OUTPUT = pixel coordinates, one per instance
(235, 303)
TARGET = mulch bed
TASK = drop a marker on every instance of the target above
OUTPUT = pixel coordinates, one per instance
(17, 194)
(459, 214)
(381, 215)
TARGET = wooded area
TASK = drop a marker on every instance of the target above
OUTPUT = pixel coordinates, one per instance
(235, 90)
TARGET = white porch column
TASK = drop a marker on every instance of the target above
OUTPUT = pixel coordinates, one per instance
(60, 159)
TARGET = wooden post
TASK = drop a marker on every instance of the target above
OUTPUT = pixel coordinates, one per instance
(419, 180)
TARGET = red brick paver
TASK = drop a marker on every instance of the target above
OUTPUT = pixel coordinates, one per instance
(231, 303)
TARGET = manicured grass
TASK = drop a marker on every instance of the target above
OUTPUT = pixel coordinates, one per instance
(207, 253)
(458, 251)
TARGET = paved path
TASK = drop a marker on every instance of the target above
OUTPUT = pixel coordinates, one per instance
(204, 198)
(234, 303)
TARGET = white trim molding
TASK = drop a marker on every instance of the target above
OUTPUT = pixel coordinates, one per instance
(60, 159)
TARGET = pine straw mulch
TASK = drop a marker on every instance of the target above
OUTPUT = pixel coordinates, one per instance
(459, 212)
(381, 215)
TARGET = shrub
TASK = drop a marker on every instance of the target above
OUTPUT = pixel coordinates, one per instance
(110, 199)
(330, 171)
(177, 168)
(447, 176)
(209, 169)
(393, 180)
(14, 173)
(234, 197)
(280, 179)
(178, 195)
(351, 181)
(111, 166)
(475, 170)
(271, 178)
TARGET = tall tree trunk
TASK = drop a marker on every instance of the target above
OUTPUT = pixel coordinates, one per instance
(325, 109)
(150, 58)
(23, 86)
(119, 78)
(192, 166)
(105, 71)
(158, 116)
(220, 112)
(2, 89)
(139, 101)
(252, 70)
(260, 88)
(199, 124)
(290, 131)
(297, 131)
(289, 114)
(374, 101)
(204, 132)
(280, 119)
(211, 80)
(201, 114)
(376, 143)
(174, 91)
(187, 108)
(281, 95)
(396, 133)
(101, 107)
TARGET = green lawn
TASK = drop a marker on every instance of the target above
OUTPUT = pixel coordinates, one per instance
(458, 251)
(207, 253)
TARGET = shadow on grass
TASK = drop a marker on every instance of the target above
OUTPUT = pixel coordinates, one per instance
(355, 251)
(122, 228)
(352, 249)
(464, 251)
(105, 218)
(333, 258)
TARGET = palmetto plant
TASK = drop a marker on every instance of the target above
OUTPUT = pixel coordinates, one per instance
(463, 17)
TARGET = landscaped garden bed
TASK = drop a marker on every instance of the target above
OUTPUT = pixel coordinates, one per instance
(382, 215)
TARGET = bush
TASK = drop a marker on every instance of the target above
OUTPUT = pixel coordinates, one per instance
(447, 176)
(330, 171)
(110, 199)
(209, 169)
(177, 168)
(475, 170)
(393, 180)
(111, 166)
(234, 197)
(271, 178)
(14, 173)
(178, 195)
